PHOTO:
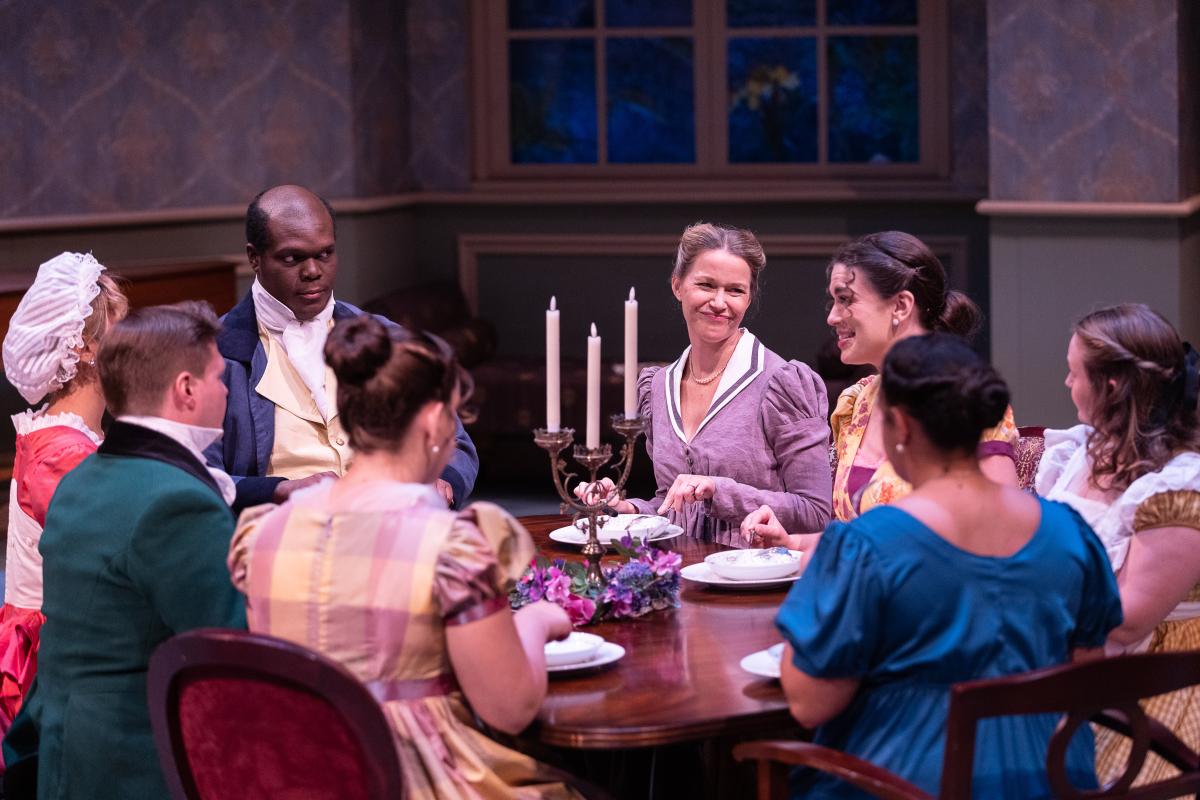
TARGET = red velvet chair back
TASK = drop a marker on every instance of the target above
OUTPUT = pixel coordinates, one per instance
(252, 717)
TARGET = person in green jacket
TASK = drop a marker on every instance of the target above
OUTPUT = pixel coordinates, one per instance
(134, 552)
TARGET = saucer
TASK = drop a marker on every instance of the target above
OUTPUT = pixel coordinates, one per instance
(764, 663)
(573, 536)
(702, 573)
(606, 653)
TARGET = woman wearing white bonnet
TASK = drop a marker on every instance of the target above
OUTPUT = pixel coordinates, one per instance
(49, 357)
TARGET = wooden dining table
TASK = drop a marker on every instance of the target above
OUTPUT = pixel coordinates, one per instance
(680, 679)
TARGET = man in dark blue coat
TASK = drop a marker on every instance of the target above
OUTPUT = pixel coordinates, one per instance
(282, 430)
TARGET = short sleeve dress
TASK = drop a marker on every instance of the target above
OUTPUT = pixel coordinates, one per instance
(48, 447)
(858, 489)
(373, 582)
(764, 441)
(1168, 497)
(892, 604)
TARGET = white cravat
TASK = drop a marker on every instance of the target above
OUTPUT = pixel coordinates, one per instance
(194, 438)
(304, 342)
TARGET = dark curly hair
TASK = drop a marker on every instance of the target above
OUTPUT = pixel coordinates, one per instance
(385, 374)
(893, 262)
(952, 393)
(1142, 414)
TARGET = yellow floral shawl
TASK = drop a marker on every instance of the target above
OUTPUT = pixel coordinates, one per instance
(849, 423)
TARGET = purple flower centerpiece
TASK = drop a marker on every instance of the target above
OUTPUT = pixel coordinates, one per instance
(647, 581)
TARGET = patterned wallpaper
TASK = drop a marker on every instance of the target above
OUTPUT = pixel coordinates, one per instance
(440, 156)
(968, 95)
(113, 106)
(1084, 100)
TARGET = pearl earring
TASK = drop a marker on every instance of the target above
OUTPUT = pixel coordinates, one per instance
(435, 449)
(895, 322)
(899, 447)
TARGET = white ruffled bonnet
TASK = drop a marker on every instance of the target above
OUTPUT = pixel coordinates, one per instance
(41, 348)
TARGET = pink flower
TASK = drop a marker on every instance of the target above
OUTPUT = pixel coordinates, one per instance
(666, 562)
(558, 586)
(579, 609)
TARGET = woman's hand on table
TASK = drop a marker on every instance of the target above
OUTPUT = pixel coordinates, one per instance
(688, 489)
(604, 489)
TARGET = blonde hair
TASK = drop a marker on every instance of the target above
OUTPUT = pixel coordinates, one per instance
(701, 237)
(109, 307)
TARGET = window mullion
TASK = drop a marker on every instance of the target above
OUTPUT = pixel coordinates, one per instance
(711, 41)
(601, 86)
(822, 86)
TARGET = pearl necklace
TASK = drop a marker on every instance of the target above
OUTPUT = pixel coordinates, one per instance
(705, 381)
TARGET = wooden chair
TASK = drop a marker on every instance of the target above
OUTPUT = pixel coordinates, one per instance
(241, 715)
(1104, 691)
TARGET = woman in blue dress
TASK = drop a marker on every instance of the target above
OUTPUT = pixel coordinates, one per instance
(962, 579)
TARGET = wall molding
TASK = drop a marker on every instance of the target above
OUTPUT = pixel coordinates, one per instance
(536, 192)
(474, 247)
(1045, 208)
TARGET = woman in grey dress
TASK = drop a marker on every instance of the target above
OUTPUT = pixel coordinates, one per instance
(732, 426)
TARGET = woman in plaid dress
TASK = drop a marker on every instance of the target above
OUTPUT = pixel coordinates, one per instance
(374, 571)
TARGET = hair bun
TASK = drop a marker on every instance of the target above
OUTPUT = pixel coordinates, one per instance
(960, 315)
(357, 348)
(987, 397)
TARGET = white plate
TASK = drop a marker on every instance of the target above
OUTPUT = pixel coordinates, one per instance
(578, 646)
(607, 653)
(636, 524)
(764, 663)
(755, 564)
(702, 573)
(573, 536)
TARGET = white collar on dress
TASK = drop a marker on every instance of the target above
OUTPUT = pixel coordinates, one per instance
(194, 439)
(29, 421)
(746, 363)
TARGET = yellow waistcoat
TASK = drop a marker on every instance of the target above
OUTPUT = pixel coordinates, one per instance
(304, 443)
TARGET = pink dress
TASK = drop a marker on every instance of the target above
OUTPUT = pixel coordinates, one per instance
(48, 447)
(764, 441)
(373, 579)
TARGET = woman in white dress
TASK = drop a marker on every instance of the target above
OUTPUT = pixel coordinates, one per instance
(1131, 468)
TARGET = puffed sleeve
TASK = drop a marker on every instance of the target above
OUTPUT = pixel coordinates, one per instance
(794, 410)
(1179, 508)
(42, 479)
(1000, 440)
(249, 525)
(1060, 448)
(484, 553)
(644, 384)
(833, 616)
(646, 410)
(1100, 605)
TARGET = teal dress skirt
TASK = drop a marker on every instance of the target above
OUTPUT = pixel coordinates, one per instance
(888, 602)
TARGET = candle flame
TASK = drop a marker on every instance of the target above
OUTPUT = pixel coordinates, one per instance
(594, 330)
(553, 303)
(632, 297)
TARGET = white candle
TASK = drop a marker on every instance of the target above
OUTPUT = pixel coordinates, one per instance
(631, 362)
(593, 389)
(553, 382)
